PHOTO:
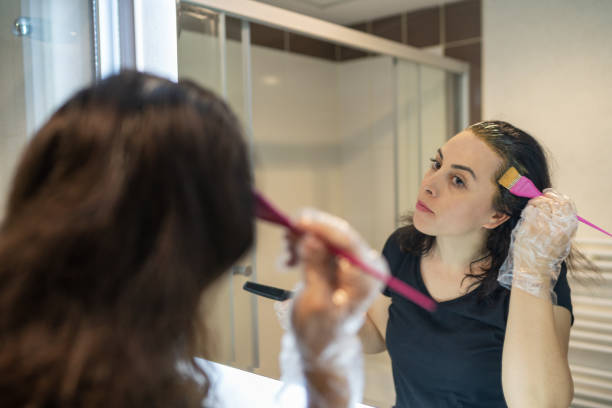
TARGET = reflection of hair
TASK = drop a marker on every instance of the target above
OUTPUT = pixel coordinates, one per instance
(523, 152)
(132, 199)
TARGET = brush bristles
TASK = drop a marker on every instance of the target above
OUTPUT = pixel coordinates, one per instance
(510, 177)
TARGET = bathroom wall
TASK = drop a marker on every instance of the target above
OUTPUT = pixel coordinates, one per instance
(547, 70)
(366, 125)
(452, 29)
(366, 90)
(296, 156)
(323, 138)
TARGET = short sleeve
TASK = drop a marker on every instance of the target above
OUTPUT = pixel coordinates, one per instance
(563, 291)
(393, 254)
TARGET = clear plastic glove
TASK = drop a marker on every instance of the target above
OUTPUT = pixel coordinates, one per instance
(540, 243)
(283, 312)
(321, 350)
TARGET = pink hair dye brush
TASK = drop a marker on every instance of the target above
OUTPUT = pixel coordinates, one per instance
(264, 210)
(523, 187)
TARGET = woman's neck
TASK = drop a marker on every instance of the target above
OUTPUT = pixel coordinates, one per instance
(456, 253)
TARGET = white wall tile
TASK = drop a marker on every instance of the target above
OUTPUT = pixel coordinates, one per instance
(546, 69)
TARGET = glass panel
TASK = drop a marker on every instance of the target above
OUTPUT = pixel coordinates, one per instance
(245, 305)
(39, 40)
(217, 64)
(427, 115)
(434, 122)
(453, 104)
(199, 55)
(324, 123)
(409, 166)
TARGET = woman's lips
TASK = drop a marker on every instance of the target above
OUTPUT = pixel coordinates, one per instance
(422, 207)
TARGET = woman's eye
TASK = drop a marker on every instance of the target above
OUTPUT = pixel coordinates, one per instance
(458, 181)
(435, 164)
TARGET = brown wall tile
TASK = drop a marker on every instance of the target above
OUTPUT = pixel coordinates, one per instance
(359, 27)
(312, 47)
(267, 36)
(462, 20)
(388, 27)
(346, 53)
(423, 27)
(472, 54)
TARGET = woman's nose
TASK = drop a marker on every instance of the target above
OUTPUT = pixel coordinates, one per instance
(428, 184)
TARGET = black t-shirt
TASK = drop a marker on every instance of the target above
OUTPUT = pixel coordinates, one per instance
(452, 357)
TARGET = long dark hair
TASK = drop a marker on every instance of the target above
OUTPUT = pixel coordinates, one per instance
(129, 201)
(519, 150)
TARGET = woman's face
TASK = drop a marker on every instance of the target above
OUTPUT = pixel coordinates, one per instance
(456, 194)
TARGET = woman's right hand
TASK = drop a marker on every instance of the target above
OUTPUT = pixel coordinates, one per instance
(328, 310)
(336, 295)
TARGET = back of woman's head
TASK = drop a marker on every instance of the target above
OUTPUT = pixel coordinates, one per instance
(128, 202)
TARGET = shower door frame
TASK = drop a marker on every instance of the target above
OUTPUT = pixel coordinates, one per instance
(251, 11)
(261, 13)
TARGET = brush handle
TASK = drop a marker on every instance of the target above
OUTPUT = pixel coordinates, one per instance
(582, 220)
(266, 211)
(393, 283)
(524, 187)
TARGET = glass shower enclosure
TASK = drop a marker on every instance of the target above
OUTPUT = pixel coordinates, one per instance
(335, 119)
(38, 70)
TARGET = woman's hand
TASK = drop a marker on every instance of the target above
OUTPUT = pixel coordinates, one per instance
(336, 295)
(541, 242)
(535, 370)
(328, 311)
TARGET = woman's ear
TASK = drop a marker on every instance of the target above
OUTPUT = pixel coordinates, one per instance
(497, 219)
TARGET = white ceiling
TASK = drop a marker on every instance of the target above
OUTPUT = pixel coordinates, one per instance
(353, 11)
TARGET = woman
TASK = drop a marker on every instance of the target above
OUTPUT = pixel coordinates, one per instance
(485, 346)
(127, 205)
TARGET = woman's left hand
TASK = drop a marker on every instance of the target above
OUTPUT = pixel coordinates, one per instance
(542, 241)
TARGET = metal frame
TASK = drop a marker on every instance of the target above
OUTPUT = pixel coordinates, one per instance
(134, 36)
(464, 113)
(115, 36)
(155, 37)
(272, 16)
(245, 34)
(313, 27)
(95, 38)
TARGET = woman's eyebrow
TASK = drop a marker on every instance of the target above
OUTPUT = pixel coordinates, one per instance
(458, 166)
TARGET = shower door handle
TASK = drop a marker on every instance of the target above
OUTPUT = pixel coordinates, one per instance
(22, 27)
